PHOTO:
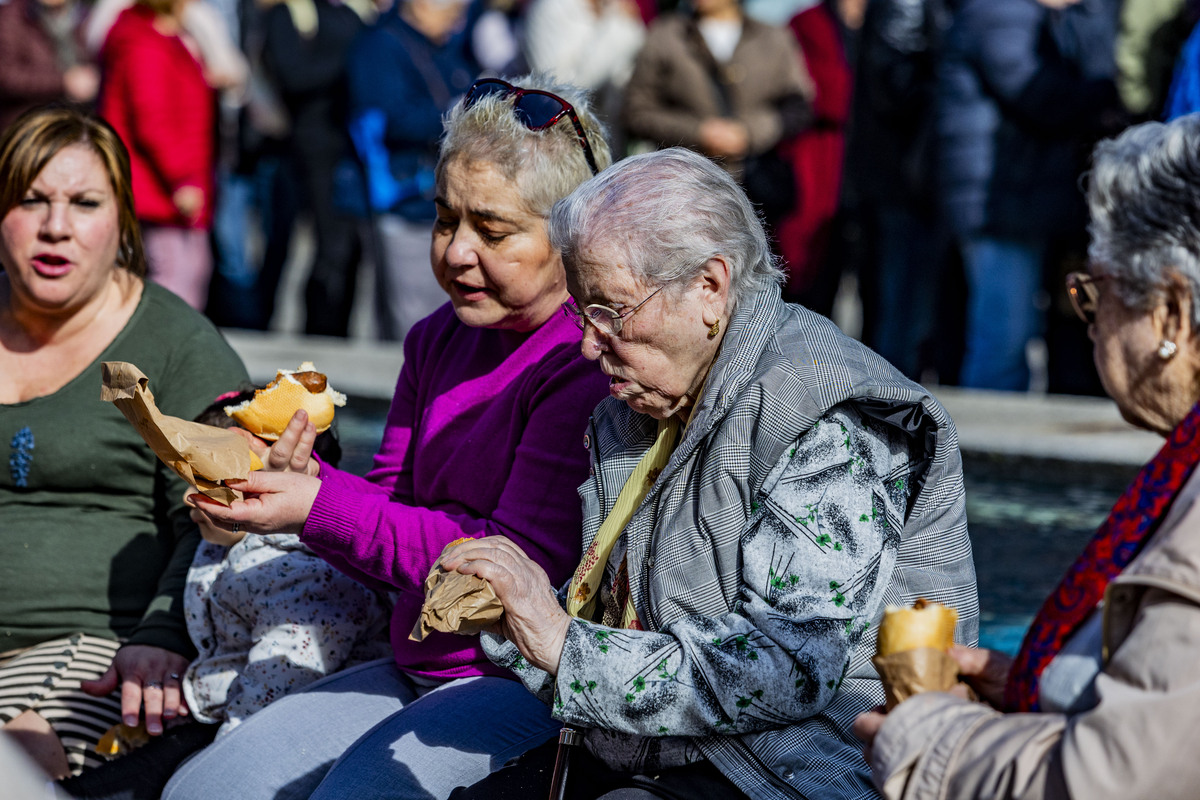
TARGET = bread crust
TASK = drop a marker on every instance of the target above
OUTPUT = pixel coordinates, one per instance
(267, 414)
(926, 624)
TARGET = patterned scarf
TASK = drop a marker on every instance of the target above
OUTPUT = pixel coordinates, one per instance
(583, 592)
(1132, 520)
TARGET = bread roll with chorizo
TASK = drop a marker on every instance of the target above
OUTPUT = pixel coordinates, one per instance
(267, 414)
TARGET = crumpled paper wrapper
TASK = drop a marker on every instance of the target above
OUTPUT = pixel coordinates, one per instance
(456, 603)
(202, 455)
(914, 671)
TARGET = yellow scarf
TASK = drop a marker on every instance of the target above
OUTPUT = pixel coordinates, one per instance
(585, 586)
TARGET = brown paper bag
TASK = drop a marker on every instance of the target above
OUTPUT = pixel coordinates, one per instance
(202, 455)
(456, 603)
(914, 671)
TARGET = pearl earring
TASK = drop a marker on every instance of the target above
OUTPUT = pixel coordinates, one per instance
(1167, 350)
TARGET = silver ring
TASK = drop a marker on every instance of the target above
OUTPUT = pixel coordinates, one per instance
(237, 528)
(153, 684)
(174, 676)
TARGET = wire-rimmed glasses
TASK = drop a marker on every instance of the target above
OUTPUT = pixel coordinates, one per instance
(606, 320)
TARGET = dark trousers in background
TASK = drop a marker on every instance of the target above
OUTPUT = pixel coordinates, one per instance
(329, 293)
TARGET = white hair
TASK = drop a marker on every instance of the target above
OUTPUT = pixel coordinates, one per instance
(1144, 197)
(669, 212)
(545, 165)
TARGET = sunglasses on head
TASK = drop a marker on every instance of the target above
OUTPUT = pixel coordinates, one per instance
(535, 109)
(1081, 289)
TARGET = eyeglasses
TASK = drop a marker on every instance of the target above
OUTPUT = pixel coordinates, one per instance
(1081, 288)
(606, 320)
(535, 109)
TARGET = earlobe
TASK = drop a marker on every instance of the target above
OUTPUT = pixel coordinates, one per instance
(714, 285)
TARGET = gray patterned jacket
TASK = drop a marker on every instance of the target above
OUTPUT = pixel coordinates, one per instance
(753, 655)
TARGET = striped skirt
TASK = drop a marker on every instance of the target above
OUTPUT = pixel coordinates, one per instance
(45, 679)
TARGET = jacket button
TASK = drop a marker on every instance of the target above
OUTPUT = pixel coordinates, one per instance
(788, 774)
(650, 562)
(587, 442)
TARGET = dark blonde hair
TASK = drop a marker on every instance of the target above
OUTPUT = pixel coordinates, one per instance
(37, 136)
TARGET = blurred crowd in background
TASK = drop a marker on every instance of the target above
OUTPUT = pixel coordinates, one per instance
(932, 149)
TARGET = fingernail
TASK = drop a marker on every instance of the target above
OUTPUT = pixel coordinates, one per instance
(153, 729)
(130, 719)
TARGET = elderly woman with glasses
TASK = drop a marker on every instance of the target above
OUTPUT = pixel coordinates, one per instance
(492, 390)
(761, 486)
(1112, 660)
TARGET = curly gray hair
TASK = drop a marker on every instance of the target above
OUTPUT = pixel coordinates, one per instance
(1144, 197)
(545, 165)
(670, 211)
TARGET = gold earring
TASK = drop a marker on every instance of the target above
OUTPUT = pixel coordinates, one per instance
(714, 330)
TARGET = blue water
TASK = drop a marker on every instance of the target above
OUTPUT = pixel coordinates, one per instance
(1026, 529)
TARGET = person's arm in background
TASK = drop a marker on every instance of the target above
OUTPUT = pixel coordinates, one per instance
(225, 66)
(648, 113)
(180, 158)
(790, 108)
(1044, 95)
(1141, 24)
(587, 42)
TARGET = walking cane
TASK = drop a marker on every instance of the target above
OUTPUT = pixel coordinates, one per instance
(568, 738)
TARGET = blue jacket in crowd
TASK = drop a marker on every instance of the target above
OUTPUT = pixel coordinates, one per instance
(1022, 92)
(401, 84)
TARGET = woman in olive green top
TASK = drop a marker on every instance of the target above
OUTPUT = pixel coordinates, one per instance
(95, 541)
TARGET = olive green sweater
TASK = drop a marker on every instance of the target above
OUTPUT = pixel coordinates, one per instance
(94, 536)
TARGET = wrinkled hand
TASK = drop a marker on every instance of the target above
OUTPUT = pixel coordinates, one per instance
(275, 502)
(985, 671)
(533, 620)
(147, 675)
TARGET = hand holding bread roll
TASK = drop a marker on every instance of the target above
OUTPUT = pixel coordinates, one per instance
(267, 414)
(911, 650)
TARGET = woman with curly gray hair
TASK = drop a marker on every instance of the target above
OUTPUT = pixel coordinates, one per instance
(1112, 659)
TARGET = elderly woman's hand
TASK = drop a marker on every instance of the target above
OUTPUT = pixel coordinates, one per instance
(533, 620)
(985, 671)
(275, 502)
(147, 676)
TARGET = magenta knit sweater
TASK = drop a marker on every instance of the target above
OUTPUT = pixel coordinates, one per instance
(484, 437)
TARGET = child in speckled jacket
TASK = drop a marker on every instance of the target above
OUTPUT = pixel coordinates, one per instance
(268, 617)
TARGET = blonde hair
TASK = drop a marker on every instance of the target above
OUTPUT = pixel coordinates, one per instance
(545, 165)
(37, 136)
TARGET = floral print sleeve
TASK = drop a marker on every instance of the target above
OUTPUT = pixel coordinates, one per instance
(817, 554)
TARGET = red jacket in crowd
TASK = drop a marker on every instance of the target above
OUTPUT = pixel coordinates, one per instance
(155, 95)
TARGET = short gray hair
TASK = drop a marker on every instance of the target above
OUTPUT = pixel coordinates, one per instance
(1144, 197)
(545, 165)
(669, 212)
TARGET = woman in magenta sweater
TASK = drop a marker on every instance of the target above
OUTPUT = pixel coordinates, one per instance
(485, 436)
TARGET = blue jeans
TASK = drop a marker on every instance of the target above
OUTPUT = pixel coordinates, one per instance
(1003, 279)
(369, 731)
(911, 251)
